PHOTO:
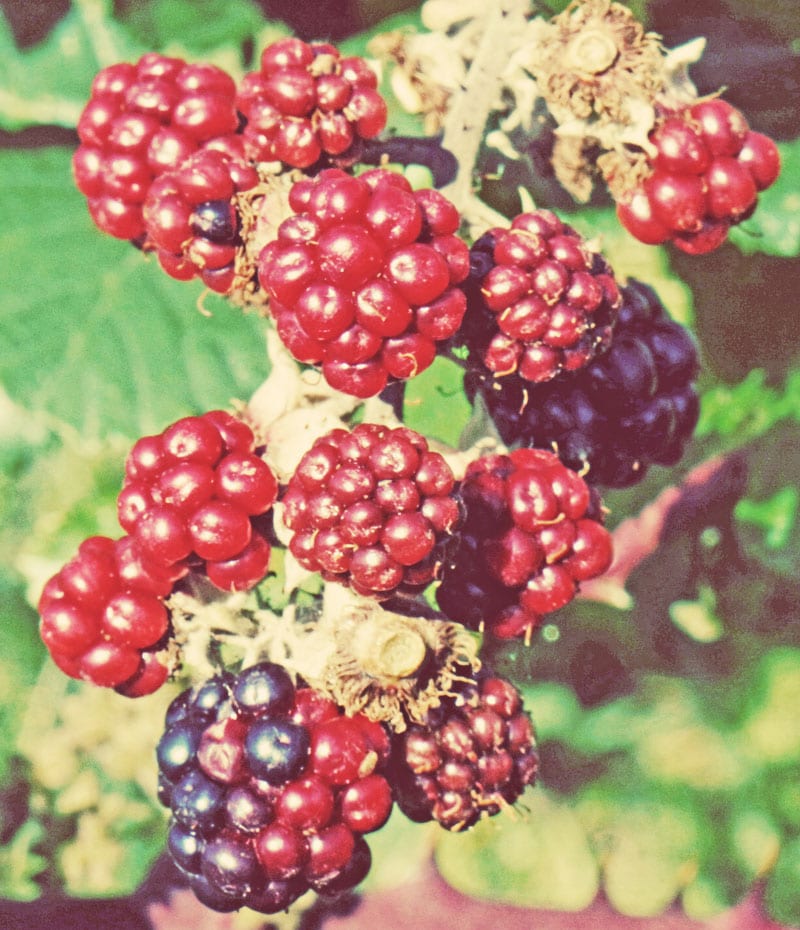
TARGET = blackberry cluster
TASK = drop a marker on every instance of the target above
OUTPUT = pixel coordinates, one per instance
(706, 175)
(307, 101)
(271, 789)
(372, 508)
(191, 218)
(193, 495)
(362, 278)
(634, 406)
(103, 617)
(541, 301)
(531, 533)
(141, 120)
(474, 756)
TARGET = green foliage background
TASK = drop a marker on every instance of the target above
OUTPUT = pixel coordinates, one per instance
(676, 778)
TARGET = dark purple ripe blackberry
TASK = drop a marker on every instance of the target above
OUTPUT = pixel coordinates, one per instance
(472, 757)
(632, 407)
(271, 789)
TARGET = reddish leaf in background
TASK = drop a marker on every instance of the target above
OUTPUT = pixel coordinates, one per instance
(708, 489)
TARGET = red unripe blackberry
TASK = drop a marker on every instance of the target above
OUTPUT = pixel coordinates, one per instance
(103, 618)
(531, 532)
(372, 508)
(362, 278)
(706, 174)
(141, 120)
(191, 218)
(633, 407)
(540, 301)
(471, 758)
(270, 789)
(191, 495)
(307, 101)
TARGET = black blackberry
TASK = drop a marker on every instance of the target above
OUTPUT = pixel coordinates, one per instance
(634, 406)
(271, 789)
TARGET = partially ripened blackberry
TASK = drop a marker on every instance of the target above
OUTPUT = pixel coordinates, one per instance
(540, 300)
(193, 496)
(307, 101)
(271, 790)
(372, 508)
(634, 406)
(141, 120)
(191, 218)
(362, 280)
(705, 176)
(532, 532)
(103, 617)
(474, 756)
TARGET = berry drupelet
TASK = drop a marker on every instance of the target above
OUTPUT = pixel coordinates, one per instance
(706, 174)
(633, 407)
(540, 300)
(194, 497)
(271, 790)
(306, 102)
(372, 508)
(362, 279)
(141, 120)
(471, 758)
(532, 532)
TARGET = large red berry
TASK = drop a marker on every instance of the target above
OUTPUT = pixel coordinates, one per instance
(362, 279)
(191, 495)
(141, 120)
(308, 101)
(270, 788)
(103, 617)
(531, 533)
(372, 508)
(707, 170)
(543, 302)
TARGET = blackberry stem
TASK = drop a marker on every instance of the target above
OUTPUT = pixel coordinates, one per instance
(466, 119)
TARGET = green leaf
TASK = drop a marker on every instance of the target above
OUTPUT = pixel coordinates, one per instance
(96, 334)
(769, 731)
(774, 228)
(434, 402)
(783, 890)
(49, 84)
(19, 864)
(776, 516)
(23, 652)
(749, 409)
(541, 859)
(223, 22)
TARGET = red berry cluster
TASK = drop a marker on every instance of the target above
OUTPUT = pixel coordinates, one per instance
(141, 120)
(372, 508)
(191, 218)
(193, 495)
(547, 303)
(707, 172)
(306, 101)
(470, 758)
(361, 279)
(271, 790)
(103, 617)
(531, 533)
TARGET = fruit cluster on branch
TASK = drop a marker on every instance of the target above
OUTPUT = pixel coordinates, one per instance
(274, 770)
